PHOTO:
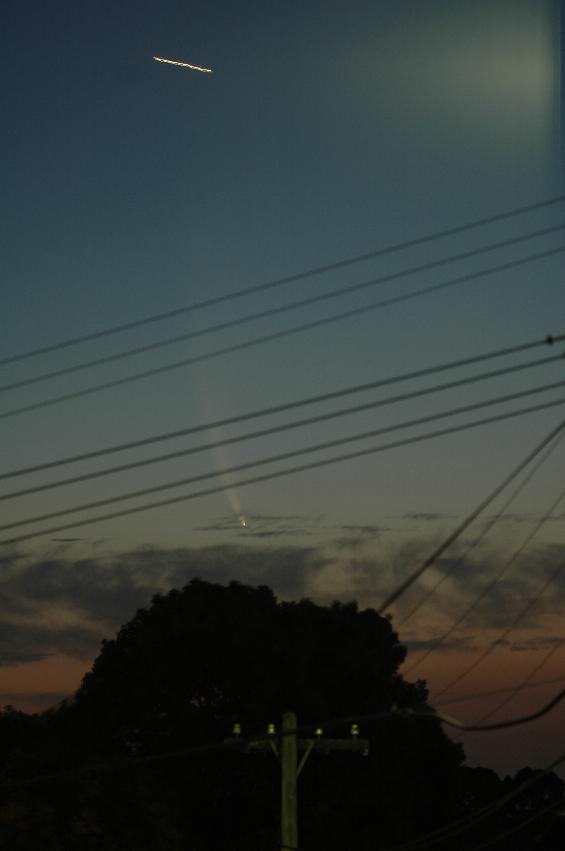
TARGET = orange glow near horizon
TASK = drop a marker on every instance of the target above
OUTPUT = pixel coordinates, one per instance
(35, 686)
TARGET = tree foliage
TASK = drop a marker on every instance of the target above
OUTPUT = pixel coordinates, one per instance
(201, 658)
(180, 673)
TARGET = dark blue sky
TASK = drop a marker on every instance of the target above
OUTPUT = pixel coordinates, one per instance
(326, 130)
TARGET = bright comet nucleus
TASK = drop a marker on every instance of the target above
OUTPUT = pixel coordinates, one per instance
(183, 64)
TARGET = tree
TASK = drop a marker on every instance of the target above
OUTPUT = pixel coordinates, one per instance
(198, 659)
(480, 787)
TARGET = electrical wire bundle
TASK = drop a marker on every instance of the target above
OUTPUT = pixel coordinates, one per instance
(531, 463)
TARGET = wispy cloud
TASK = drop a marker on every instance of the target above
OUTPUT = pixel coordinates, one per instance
(370, 531)
(67, 606)
(356, 537)
(540, 642)
(424, 515)
(460, 644)
(64, 605)
(260, 525)
(67, 540)
(18, 657)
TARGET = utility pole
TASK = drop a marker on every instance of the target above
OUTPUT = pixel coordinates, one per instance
(289, 776)
(287, 753)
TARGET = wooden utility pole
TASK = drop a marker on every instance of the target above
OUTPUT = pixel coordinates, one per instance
(287, 753)
(289, 776)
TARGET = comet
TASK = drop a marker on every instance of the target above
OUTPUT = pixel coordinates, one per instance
(183, 65)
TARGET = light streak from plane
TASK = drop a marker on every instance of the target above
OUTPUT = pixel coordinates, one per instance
(183, 64)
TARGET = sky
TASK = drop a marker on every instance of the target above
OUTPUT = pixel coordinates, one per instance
(326, 131)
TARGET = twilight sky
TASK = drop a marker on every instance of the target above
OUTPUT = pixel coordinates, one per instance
(327, 130)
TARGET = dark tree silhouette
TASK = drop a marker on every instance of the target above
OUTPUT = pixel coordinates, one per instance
(479, 787)
(180, 673)
(184, 670)
(201, 658)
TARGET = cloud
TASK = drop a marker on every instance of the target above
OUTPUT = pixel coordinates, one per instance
(540, 642)
(508, 518)
(67, 606)
(465, 579)
(292, 526)
(536, 577)
(18, 657)
(67, 540)
(358, 536)
(463, 644)
(543, 642)
(367, 530)
(350, 542)
(424, 515)
(264, 525)
(27, 642)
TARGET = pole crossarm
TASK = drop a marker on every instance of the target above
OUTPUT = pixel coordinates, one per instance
(326, 746)
(253, 745)
(286, 747)
(322, 745)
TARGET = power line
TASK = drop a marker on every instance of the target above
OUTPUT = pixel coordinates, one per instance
(526, 683)
(275, 335)
(276, 409)
(292, 425)
(407, 583)
(284, 456)
(531, 602)
(462, 825)
(456, 828)
(276, 311)
(181, 753)
(128, 763)
(317, 464)
(478, 695)
(443, 833)
(326, 724)
(497, 725)
(484, 532)
(318, 270)
(522, 613)
(408, 712)
(116, 765)
(521, 825)
(487, 589)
